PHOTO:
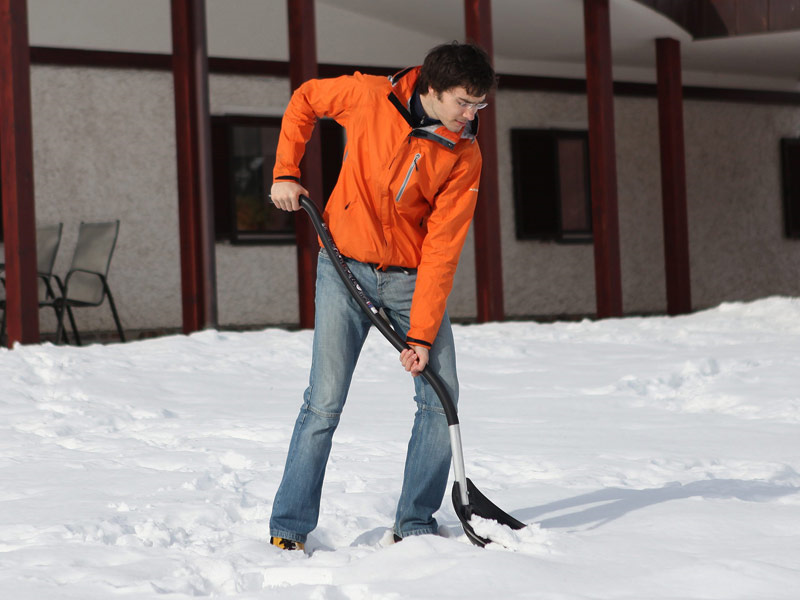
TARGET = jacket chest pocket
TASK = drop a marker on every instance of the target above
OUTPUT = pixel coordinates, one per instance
(412, 169)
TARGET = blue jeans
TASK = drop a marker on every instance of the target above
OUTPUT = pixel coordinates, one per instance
(340, 330)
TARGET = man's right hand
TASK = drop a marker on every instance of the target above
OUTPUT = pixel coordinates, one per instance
(414, 359)
(286, 195)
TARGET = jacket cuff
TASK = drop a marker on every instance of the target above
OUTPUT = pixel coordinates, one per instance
(416, 342)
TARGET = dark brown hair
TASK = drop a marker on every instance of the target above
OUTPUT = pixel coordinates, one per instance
(457, 65)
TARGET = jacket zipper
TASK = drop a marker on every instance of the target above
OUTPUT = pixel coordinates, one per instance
(411, 169)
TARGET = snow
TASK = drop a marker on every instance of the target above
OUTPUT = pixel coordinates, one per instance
(652, 458)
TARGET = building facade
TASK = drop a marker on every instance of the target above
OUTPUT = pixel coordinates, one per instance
(104, 148)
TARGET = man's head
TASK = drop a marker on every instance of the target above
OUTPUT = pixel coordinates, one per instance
(453, 83)
(457, 65)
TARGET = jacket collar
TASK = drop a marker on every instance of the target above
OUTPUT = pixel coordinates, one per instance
(403, 84)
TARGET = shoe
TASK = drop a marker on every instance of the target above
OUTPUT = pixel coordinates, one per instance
(397, 538)
(285, 544)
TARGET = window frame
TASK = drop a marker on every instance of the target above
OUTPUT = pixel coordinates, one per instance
(557, 232)
(225, 229)
(790, 153)
(222, 126)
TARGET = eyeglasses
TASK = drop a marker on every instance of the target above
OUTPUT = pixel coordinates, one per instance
(464, 105)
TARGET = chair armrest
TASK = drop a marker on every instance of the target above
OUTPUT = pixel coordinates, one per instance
(71, 271)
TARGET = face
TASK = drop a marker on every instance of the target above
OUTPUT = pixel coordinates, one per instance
(455, 107)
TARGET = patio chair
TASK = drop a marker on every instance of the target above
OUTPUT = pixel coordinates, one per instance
(86, 283)
(48, 240)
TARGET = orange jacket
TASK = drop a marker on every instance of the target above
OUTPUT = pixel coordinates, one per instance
(405, 196)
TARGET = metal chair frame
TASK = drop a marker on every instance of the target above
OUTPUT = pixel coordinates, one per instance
(96, 265)
(48, 241)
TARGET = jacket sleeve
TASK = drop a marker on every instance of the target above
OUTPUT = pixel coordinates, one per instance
(448, 225)
(314, 99)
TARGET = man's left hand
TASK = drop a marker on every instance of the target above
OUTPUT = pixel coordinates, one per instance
(414, 359)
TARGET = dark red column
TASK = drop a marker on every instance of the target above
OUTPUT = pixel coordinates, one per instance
(193, 135)
(302, 67)
(486, 225)
(602, 159)
(673, 176)
(16, 150)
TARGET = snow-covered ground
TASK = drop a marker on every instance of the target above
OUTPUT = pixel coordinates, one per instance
(653, 458)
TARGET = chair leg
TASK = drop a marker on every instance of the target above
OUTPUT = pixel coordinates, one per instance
(59, 308)
(63, 291)
(116, 316)
(74, 326)
(3, 328)
(63, 331)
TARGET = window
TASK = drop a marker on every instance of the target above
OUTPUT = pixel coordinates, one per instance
(790, 164)
(551, 185)
(243, 149)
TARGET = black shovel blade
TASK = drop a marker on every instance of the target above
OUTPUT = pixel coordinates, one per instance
(481, 506)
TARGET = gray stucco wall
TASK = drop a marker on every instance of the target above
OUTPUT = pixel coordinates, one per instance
(104, 148)
(737, 248)
(255, 284)
(735, 210)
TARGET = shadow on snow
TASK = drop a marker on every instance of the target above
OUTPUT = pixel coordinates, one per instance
(603, 506)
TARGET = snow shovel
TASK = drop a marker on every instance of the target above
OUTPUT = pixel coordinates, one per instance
(467, 499)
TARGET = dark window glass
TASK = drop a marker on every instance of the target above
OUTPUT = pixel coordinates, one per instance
(551, 185)
(790, 159)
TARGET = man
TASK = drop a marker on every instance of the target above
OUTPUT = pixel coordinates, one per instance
(400, 212)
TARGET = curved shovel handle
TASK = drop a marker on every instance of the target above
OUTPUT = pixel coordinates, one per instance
(377, 319)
